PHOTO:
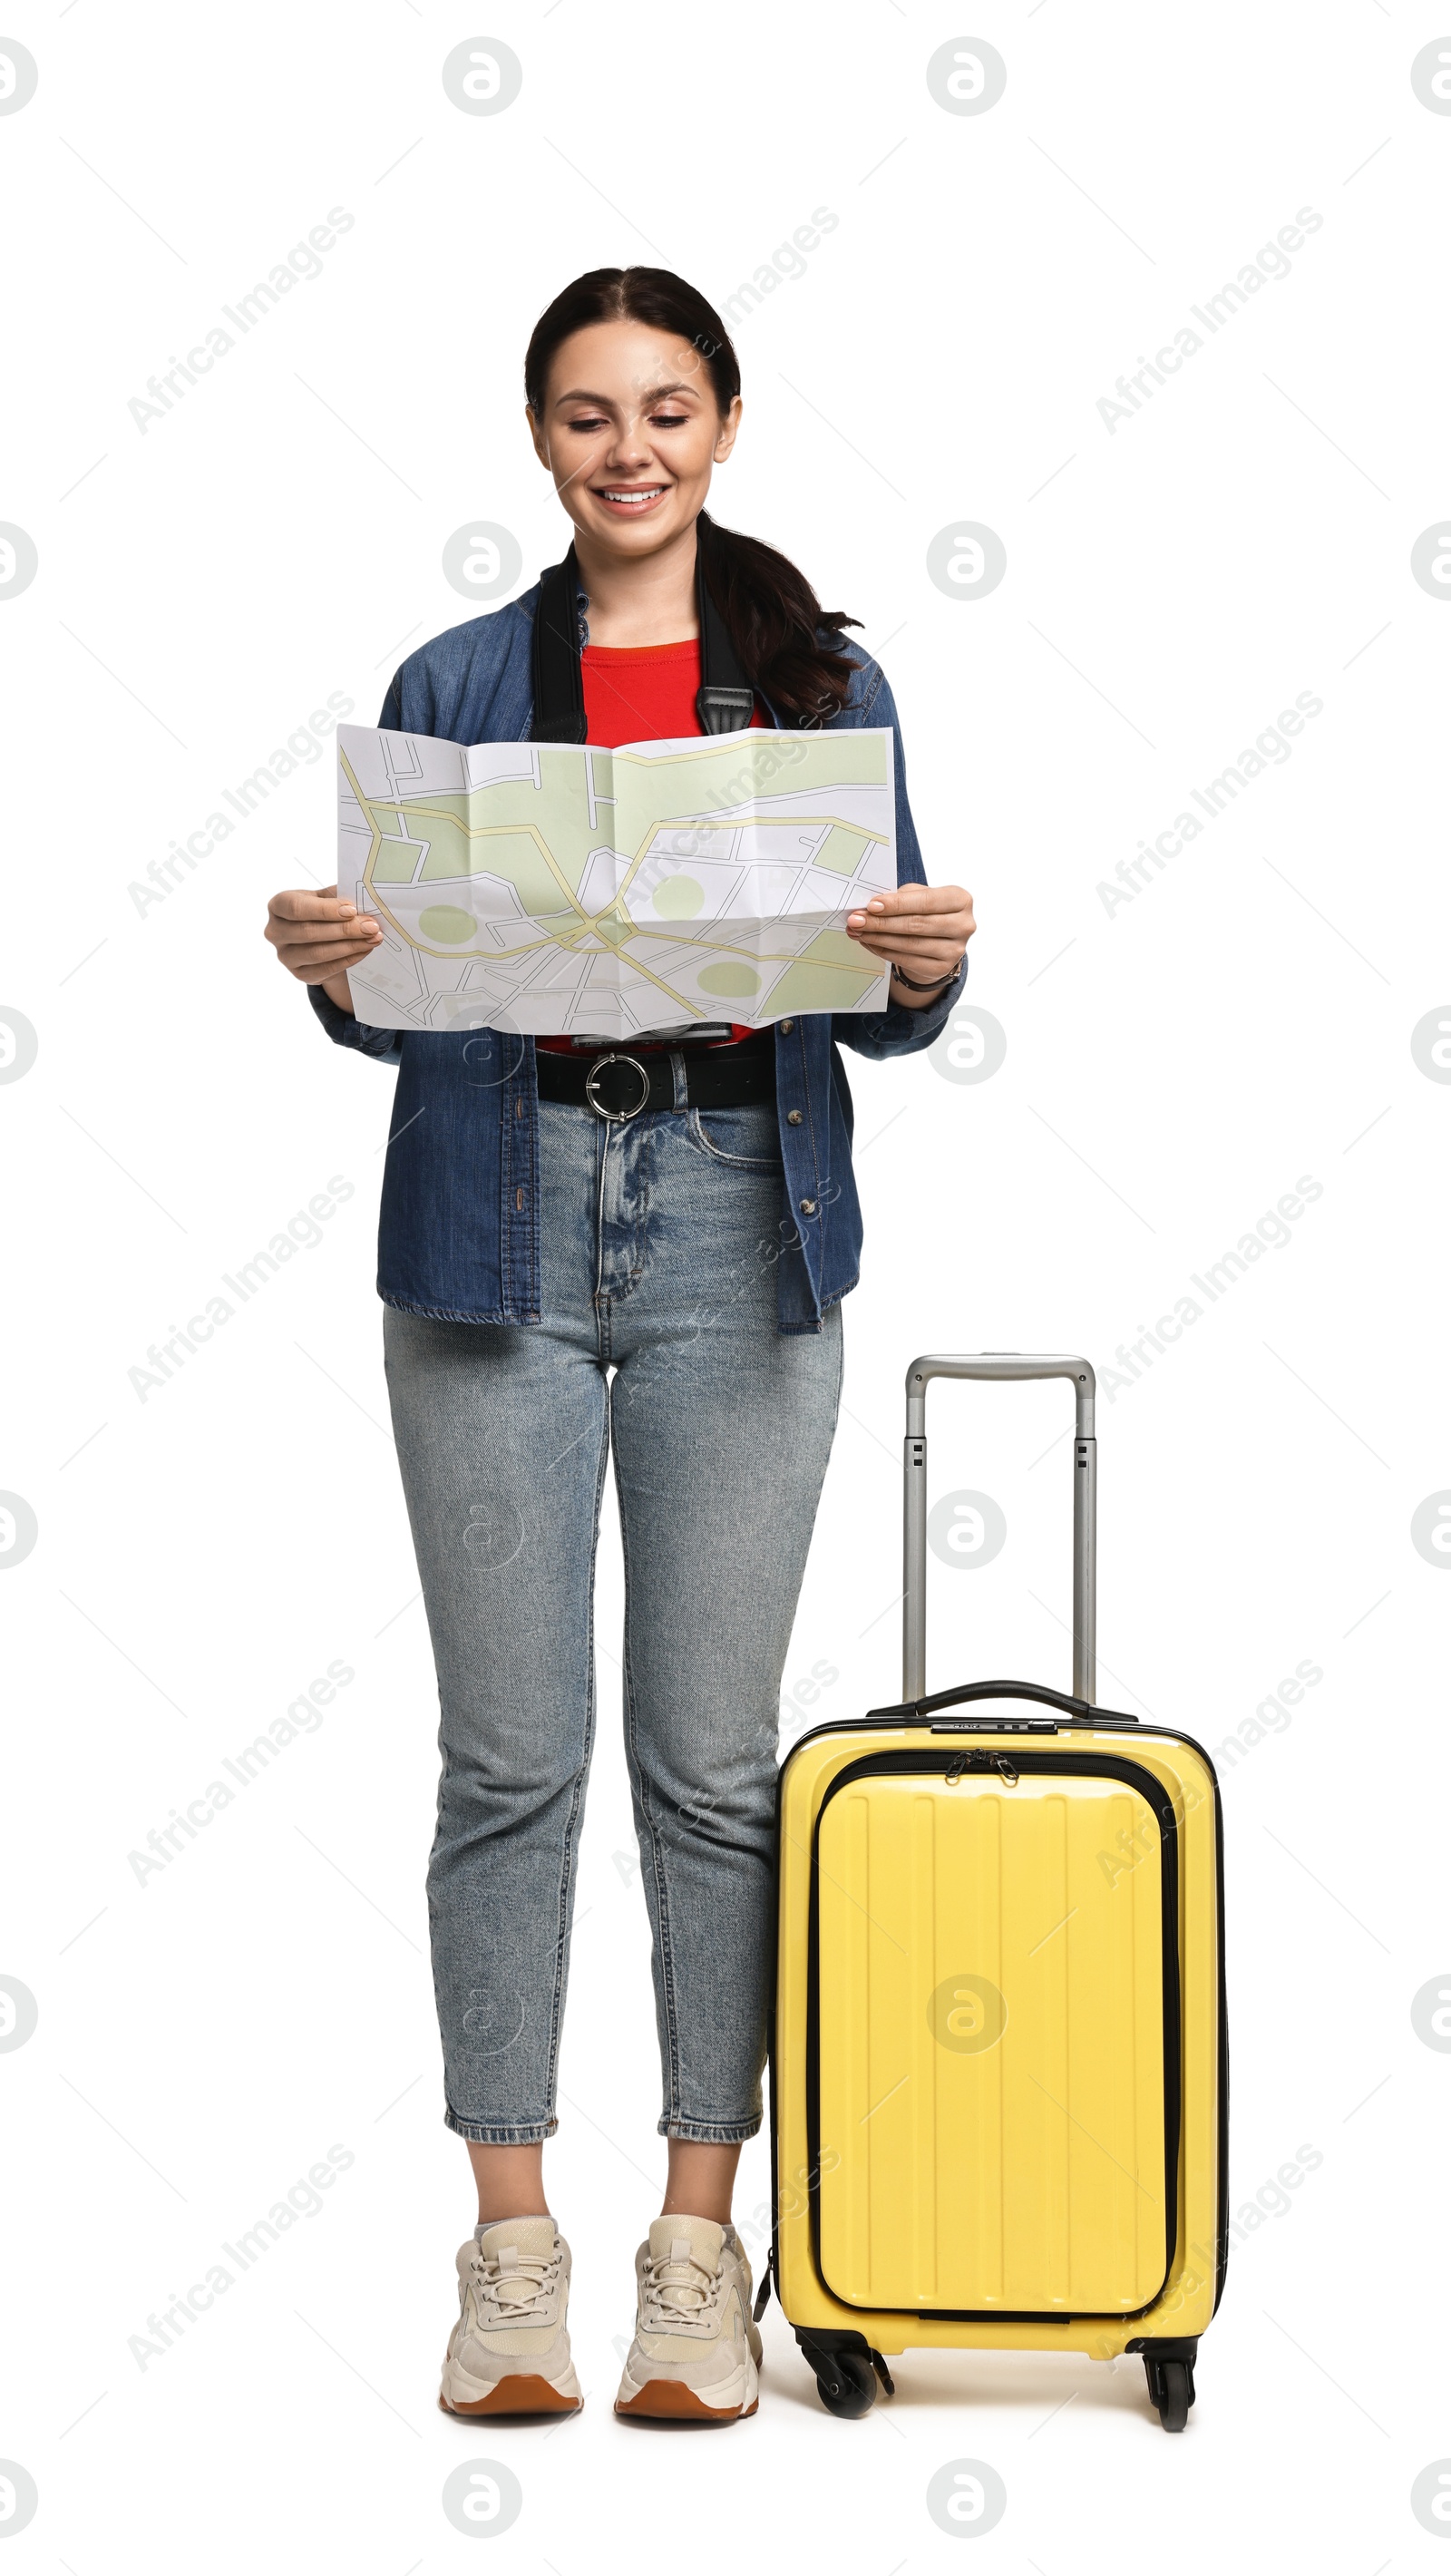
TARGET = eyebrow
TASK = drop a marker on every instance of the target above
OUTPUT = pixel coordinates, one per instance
(657, 393)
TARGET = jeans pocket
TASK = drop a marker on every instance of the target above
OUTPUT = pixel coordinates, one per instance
(748, 1138)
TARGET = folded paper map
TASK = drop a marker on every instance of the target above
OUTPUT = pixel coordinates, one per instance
(554, 889)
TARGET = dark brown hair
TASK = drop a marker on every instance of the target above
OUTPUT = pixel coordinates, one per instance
(772, 614)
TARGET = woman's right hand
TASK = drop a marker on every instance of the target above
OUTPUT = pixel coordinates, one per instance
(317, 938)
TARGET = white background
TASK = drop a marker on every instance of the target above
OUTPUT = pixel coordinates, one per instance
(1172, 1069)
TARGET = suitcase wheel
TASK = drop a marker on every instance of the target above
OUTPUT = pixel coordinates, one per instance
(1171, 2390)
(846, 2376)
(848, 2384)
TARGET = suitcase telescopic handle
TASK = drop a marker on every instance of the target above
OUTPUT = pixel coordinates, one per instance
(997, 1366)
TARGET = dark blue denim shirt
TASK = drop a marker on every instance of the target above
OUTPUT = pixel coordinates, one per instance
(459, 1227)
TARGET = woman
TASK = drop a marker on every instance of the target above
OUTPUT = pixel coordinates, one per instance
(690, 1225)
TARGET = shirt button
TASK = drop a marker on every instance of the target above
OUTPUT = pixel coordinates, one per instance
(786, 1028)
(793, 1117)
(808, 1207)
(518, 1198)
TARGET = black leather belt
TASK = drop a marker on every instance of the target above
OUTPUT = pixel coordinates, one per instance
(618, 1085)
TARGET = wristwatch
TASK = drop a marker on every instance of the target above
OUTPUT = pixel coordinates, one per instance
(938, 984)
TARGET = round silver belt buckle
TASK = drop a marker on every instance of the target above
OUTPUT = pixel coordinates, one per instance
(616, 1116)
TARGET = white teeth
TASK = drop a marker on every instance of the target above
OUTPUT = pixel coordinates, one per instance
(653, 494)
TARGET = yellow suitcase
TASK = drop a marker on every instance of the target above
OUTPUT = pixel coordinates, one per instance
(999, 2066)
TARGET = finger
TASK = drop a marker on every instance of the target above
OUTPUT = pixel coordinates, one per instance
(916, 961)
(357, 926)
(297, 904)
(914, 954)
(321, 941)
(896, 902)
(331, 958)
(912, 942)
(326, 959)
(283, 934)
(916, 925)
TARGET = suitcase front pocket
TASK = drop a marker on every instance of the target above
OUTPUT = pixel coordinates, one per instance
(993, 2042)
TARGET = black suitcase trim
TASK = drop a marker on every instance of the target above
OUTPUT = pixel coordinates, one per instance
(1157, 1797)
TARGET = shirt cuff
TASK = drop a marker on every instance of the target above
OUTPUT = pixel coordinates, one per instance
(345, 1030)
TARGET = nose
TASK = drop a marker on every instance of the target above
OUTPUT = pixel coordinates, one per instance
(629, 448)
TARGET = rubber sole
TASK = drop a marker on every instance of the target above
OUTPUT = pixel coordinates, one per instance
(523, 2392)
(670, 2397)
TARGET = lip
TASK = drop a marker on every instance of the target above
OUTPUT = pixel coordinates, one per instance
(630, 508)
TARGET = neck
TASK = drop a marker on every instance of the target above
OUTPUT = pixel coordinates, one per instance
(647, 599)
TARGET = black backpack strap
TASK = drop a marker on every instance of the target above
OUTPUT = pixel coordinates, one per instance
(725, 700)
(558, 686)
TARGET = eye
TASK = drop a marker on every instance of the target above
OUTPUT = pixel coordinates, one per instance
(588, 420)
(668, 419)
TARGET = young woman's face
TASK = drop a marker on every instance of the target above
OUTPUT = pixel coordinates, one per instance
(630, 429)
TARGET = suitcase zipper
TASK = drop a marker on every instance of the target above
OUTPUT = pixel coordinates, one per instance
(957, 1767)
(978, 1760)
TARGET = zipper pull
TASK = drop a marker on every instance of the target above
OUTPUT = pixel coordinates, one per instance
(979, 1759)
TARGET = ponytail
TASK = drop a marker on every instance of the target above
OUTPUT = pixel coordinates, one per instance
(770, 611)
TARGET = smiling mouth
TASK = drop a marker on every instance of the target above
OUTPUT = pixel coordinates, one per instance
(622, 496)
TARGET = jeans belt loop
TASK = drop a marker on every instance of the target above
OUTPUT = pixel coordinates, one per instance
(616, 1117)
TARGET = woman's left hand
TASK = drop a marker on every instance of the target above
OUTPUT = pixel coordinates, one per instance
(924, 930)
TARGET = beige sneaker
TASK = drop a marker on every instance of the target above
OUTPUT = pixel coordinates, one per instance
(509, 2352)
(696, 2350)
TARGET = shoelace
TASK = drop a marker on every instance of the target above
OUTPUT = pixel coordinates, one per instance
(678, 2292)
(518, 2293)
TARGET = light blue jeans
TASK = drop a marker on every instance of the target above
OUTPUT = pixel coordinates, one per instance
(660, 1242)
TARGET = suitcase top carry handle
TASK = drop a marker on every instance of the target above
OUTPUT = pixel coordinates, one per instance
(1084, 1710)
(997, 1366)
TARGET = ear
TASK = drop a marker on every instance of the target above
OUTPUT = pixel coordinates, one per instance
(536, 432)
(728, 428)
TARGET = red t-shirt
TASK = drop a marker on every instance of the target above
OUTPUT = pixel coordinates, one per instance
(642, 693)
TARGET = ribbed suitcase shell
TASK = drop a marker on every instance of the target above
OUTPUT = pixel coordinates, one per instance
(1054, 2181)
(981, 2155)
